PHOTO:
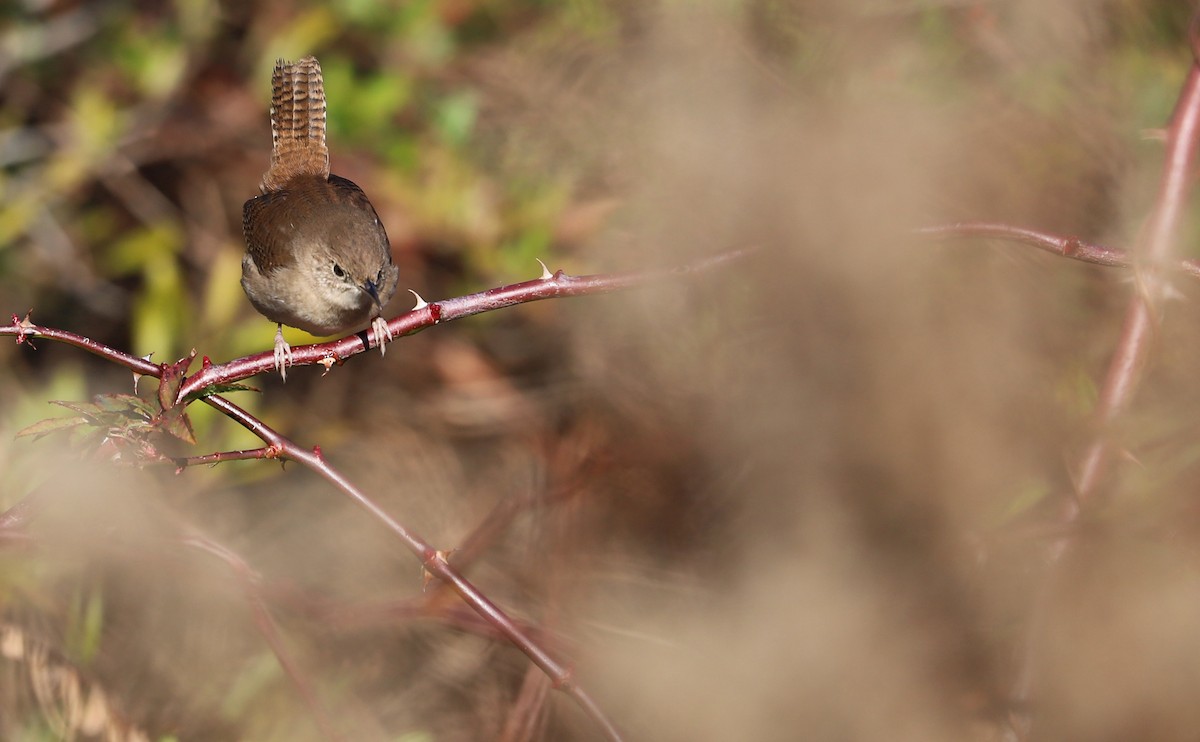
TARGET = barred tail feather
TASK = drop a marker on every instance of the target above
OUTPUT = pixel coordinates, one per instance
(297, 123)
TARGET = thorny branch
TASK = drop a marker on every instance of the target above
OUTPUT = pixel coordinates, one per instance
(1067, 247)
(1151, 258)
(425, 315)
(434, 561)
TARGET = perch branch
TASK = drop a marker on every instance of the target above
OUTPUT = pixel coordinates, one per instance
(425, 315)
(433, 560)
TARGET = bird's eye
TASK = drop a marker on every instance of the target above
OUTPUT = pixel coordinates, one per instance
(337, 271)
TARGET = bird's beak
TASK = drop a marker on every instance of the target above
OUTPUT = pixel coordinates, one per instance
(371, 289)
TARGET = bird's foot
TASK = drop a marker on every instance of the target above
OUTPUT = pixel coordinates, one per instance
(283, 354)
(380, 326)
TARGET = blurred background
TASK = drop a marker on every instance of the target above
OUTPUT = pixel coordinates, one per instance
(804, 496)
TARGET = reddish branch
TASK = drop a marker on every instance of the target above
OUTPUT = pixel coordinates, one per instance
(1067, 247)
(433, 560)
(24, 329)
(1152, 257)
(427, 315)
(1154, 252)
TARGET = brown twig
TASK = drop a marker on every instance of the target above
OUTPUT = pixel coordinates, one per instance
(218, 457)
(24, 329)
(1067, 247)
(1155, 250)
(421, 317)
(433, 560)
(426, 315)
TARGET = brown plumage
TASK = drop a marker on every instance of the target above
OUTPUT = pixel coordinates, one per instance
(297, 123)
(317, 256)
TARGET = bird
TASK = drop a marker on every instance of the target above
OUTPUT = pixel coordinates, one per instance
(317, 256)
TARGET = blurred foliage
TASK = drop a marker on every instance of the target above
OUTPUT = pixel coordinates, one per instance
(131, 133)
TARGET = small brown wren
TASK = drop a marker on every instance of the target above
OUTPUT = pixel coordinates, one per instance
(317, 257)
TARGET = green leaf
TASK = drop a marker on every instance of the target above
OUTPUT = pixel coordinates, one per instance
(455, 117)
(126, 403)
(175, 421)
(89, 410)
(172, 379)
(51, 425)
(208, 391)
(86, 625)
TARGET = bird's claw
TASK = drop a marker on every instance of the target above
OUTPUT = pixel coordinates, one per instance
(283, 354)
(380, 326)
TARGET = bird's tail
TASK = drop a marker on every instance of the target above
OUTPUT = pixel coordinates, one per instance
(297, 123)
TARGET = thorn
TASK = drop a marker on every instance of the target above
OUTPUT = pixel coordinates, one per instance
(318, 454)
(546, 274)
(327, 362)
(138, 377)
(438, 556)
(1126, 454)
(421, 303)
(24, 329)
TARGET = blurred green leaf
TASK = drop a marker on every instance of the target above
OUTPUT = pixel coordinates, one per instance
(51, 425)
(96, 124)
(366, 108)
(455, 117)
(258, 674)
(1032, 494)
(223, 295)
(198, 19)
(427, 40)
(85, 623)
(155, 64)
(142, 246)
(304, 35)
(160, 310)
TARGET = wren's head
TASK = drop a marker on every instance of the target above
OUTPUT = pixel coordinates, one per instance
(318, 257)
(349, 264)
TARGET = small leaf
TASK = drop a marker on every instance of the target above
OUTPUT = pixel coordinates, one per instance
(51, 425)
(172, 378)
(89, 410)
(176, 423)
(125, 403)
(208, 391)
(168, 385)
